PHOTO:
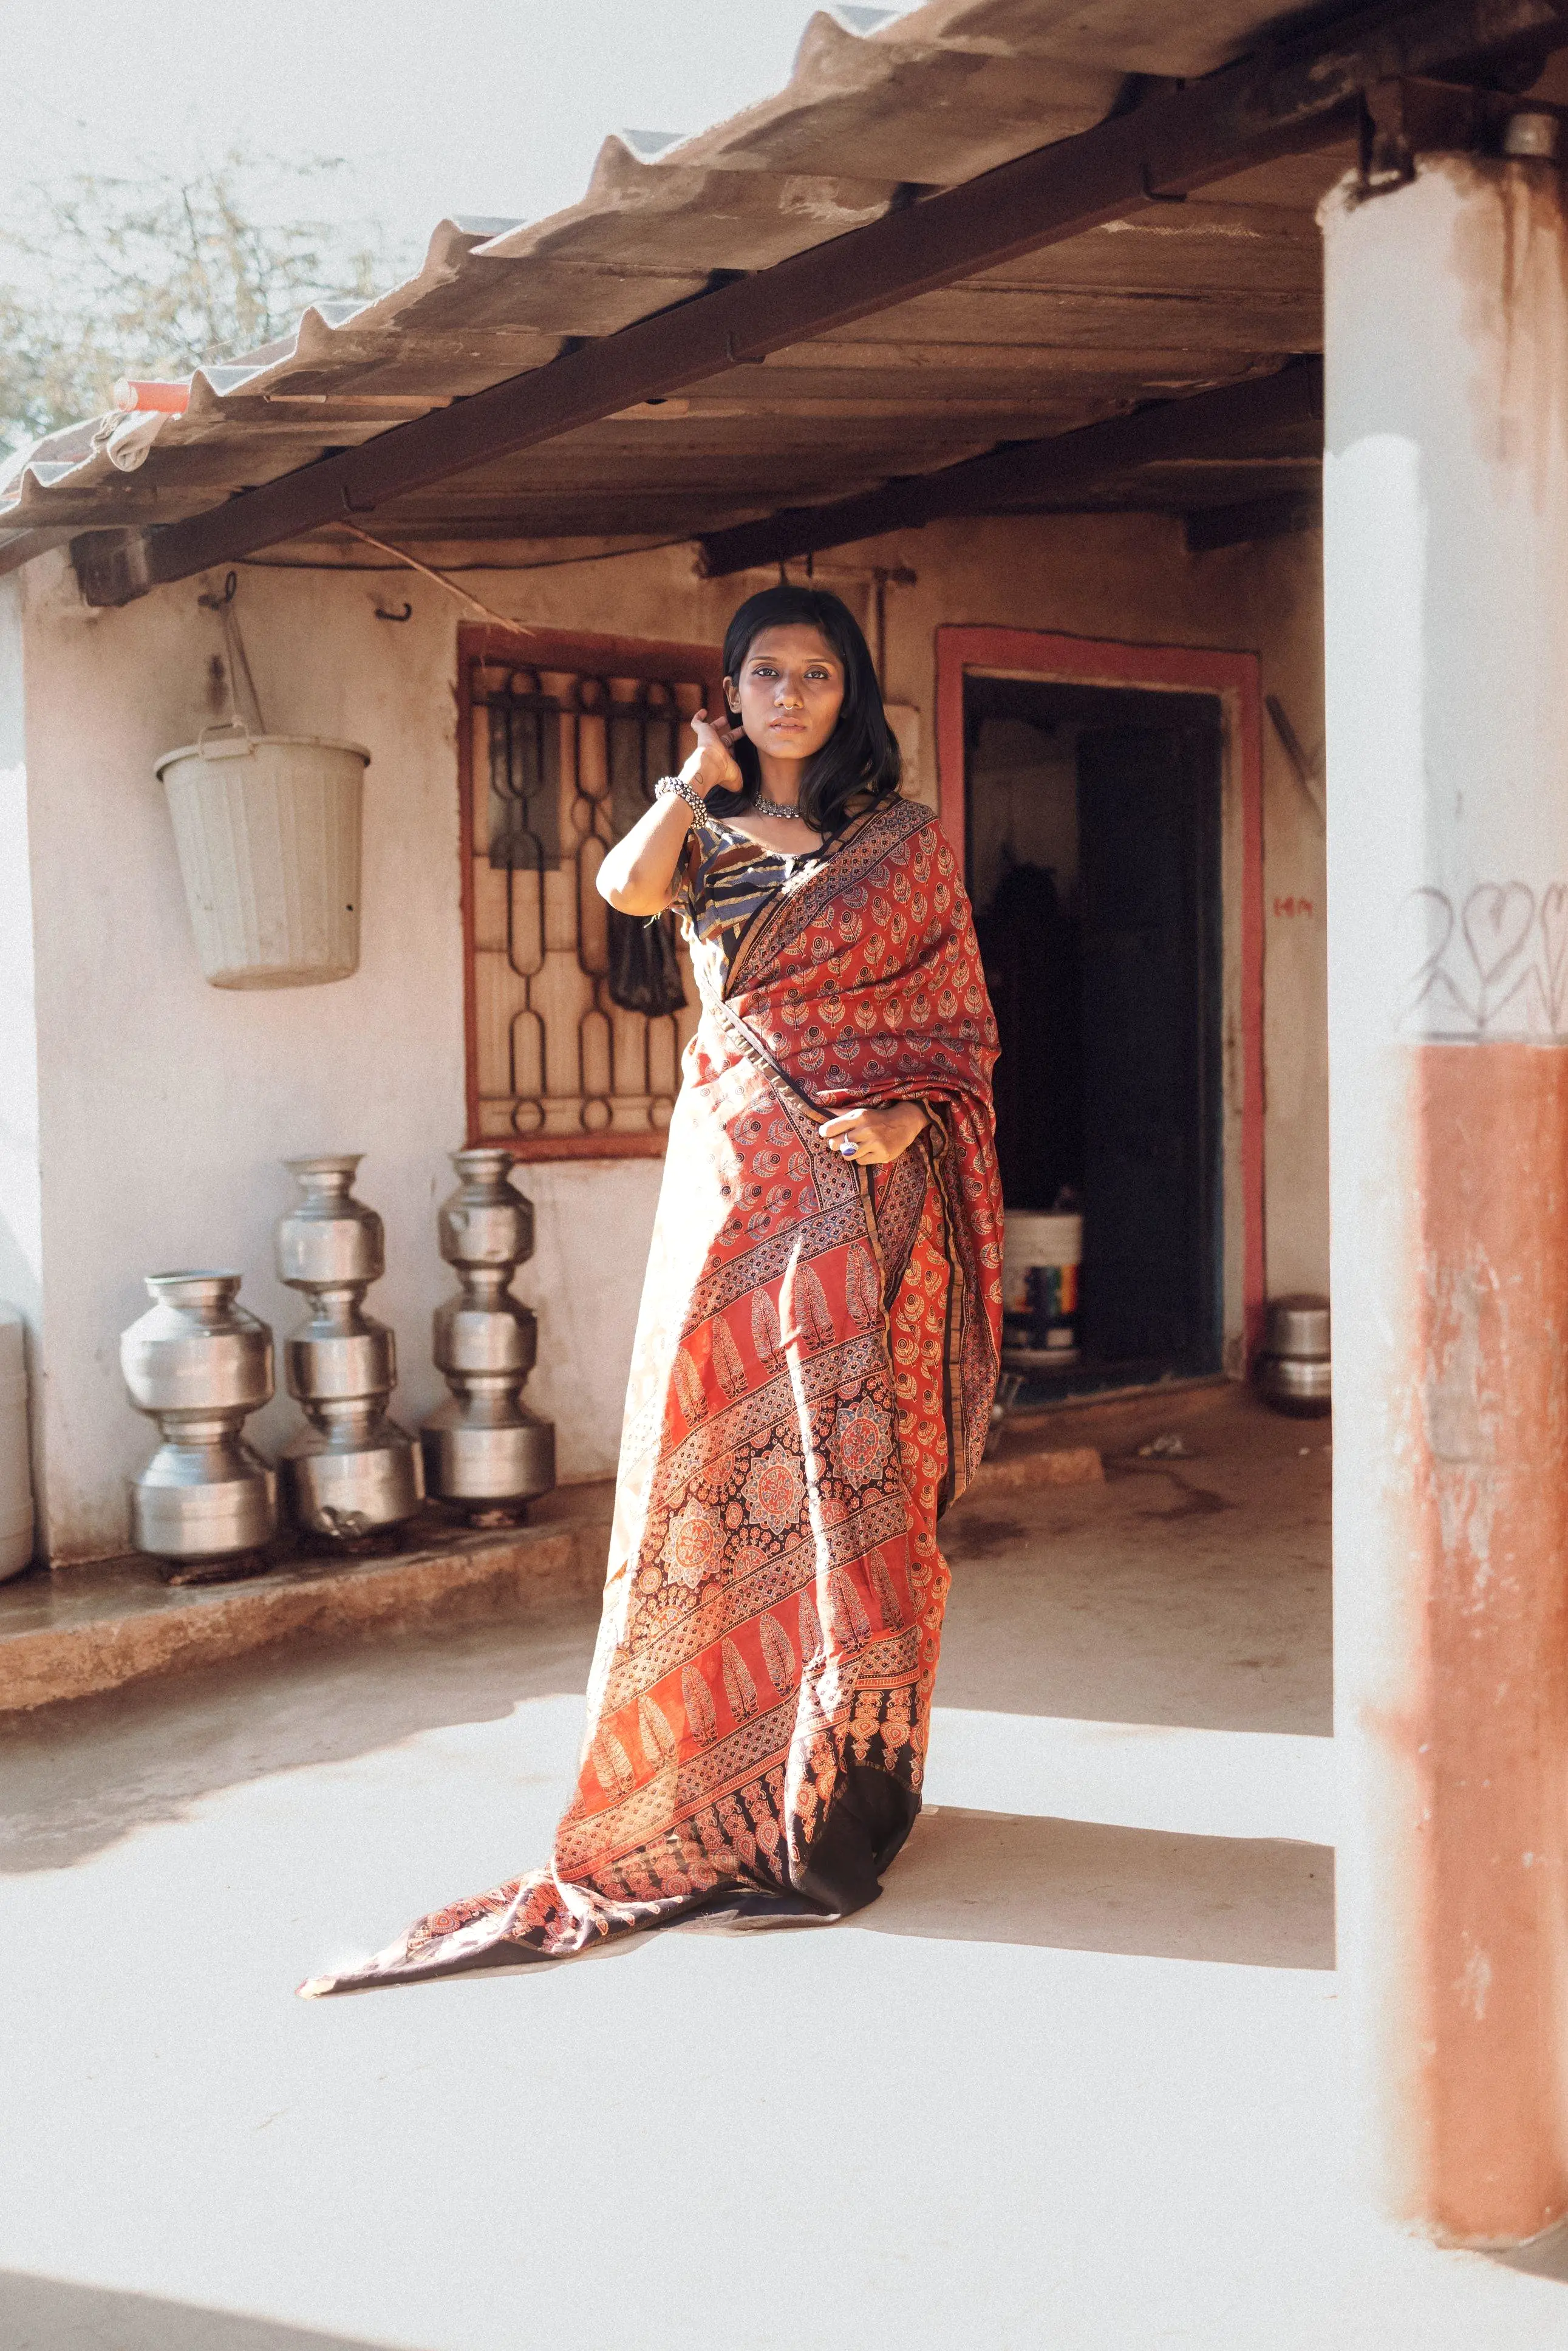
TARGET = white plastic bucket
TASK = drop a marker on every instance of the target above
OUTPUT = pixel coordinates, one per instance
(1040, 1258)
(268, 831)
(15, 1466)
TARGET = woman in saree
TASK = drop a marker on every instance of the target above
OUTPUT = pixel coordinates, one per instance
(817, 1349)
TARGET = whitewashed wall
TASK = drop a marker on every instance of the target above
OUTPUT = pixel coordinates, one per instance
(21, 1205)
(21, 1240)
(167, 1104)
(164, 1105)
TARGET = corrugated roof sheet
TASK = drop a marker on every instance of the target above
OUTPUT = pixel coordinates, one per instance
(1213, 290)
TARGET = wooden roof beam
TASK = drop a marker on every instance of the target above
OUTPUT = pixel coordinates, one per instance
(1239, 524)
(1263, 416)
(1284, 96)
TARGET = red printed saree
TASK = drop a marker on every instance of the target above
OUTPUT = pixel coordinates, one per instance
(812, 1382)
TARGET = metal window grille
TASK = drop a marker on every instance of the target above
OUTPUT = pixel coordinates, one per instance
(562, 762)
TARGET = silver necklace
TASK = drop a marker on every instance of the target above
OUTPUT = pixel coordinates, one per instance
(763, 805)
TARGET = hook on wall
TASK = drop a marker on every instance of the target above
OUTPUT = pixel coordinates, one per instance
(406, 613)
(215, 603)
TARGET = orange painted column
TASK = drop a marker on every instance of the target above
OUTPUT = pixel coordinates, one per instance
(1446, 557)
(1484, 1508)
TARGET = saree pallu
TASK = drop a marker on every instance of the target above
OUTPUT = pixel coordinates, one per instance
(812, 1383)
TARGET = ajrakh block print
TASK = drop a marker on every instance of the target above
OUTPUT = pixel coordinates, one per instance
(812, 1383)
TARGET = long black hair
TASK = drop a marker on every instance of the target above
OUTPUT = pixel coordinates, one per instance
(859, 762)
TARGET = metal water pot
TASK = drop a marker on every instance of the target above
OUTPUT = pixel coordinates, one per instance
(198, 1365)
(485, 1448)
(1293, 1372)
(351, 1469)
(15, 1461)
(329, 1238)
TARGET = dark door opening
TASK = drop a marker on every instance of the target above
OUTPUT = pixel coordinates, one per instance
(1092, 816)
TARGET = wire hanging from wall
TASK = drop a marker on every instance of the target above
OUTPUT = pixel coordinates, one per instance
(238, 665)
(517, 627)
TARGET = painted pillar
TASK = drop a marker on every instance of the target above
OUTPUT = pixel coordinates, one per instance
(1446, 557)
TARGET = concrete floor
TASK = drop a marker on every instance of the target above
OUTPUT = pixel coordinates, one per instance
(1070, 2084)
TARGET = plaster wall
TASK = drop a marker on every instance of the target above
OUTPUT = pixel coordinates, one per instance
(166, 1105)
(21, 1247)
(1115, 576)
(21, 1202)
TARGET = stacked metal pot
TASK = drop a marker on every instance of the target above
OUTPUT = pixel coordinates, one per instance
(350, 1470)
(199, 1364)
(485, 1447)
(1295, 1371)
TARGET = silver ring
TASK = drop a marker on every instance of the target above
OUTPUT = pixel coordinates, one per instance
(848, 1146)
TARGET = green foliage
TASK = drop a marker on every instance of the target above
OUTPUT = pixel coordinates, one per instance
(105, 276)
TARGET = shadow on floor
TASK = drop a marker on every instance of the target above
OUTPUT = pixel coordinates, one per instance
(76, 1777)
(39, 2314)
(1120, 1603)
(1079, 1885)
(1125, 1602)
(1544, 2257)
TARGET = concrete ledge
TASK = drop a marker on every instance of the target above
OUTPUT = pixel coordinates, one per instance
(88, 1629)
(96, 1628)
(1068, 1465)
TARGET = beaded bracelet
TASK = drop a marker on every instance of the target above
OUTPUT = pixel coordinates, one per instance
(675, 788)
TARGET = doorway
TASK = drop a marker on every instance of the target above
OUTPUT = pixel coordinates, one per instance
(1093, 856)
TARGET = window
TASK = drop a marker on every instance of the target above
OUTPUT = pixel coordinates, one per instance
(561, 742)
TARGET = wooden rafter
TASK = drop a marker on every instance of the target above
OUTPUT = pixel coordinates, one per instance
(1275, 414)
(1248, 519)
(1178, 139)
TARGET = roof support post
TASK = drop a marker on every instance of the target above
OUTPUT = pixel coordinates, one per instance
(1445, 530)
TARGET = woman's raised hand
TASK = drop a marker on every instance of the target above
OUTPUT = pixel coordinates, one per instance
(639, 875)
(712, 767)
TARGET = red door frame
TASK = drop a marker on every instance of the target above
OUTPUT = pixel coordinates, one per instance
(1234, 676)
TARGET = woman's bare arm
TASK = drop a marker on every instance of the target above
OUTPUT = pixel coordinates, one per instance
(638, 876)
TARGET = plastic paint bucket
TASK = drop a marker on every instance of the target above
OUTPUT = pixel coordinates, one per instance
(1040, 1258)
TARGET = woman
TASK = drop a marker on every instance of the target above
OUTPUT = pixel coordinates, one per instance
(817, 1348)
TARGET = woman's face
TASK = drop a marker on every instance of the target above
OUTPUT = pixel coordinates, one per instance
(790, 691)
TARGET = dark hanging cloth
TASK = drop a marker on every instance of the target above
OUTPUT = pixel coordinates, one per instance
(644, 968)
(1032, 970)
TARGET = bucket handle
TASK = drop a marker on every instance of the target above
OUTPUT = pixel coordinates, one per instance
(240, 750)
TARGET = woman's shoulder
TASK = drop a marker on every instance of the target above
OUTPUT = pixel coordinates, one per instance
(705, 841)
(715, 839)
(883, 824)
(721, 865)
(706, 836)
(896, 836)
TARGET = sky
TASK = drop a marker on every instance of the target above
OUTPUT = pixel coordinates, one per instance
(496, 108)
